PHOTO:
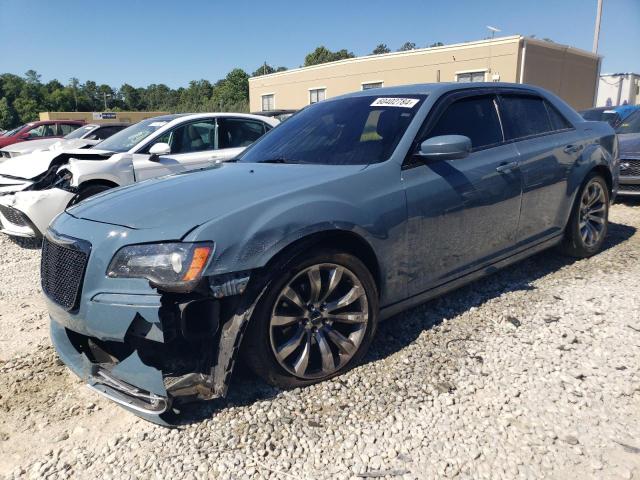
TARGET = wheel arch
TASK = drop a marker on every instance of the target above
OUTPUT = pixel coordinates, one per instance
(98, 181)
(342, 240)
(605, 172)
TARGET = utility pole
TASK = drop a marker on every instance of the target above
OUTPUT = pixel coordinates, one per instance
(105, 99)
(596, 33)
(74, 84)
(264, 68)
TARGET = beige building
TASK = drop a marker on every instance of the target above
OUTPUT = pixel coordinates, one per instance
(100, 117)
(569, 72)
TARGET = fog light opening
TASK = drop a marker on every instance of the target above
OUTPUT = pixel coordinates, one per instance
(200, 319)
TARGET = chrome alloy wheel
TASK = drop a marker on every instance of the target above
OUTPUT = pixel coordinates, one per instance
(593, 210)
(319, 321)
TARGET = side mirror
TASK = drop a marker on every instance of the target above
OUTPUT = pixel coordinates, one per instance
(158, 149)
(445, 147)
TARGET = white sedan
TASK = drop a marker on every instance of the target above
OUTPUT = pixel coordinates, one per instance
(32, 193)
(83, 137)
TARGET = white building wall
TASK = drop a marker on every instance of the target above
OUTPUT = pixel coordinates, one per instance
(618, 89)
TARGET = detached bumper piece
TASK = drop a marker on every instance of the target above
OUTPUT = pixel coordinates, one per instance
(127, 395)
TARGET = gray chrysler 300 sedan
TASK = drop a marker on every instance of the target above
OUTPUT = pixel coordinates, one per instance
(353, 210)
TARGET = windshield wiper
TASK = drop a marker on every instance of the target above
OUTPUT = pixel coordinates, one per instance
(278, 160)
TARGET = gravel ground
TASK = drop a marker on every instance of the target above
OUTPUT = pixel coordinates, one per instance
(530, 373)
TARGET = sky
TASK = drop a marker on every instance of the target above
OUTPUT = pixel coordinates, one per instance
(173, 42)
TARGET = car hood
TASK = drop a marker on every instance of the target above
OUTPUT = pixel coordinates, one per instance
(32, 145)
(183, 201)
(29, 165)
(629, 145)
(32, 164)
(72, 144)
(4, 141)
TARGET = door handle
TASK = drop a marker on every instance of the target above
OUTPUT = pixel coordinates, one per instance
(506, 167)
(572, 148)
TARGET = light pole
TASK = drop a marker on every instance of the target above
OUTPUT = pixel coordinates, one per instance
(596, 33)
(493, 30)
(105, 99)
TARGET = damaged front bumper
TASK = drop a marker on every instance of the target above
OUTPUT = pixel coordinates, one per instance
(29, 213)
(153, 350)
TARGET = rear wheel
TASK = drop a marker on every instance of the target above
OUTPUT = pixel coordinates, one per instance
(589, 221)
(315, 321)
(88, 191)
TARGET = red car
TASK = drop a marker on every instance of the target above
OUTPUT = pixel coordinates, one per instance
(43, 129)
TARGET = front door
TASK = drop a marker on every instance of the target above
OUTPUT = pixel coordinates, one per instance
(463, 213)
(192, 146)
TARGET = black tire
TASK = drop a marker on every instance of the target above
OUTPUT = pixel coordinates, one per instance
(257, 348)
(574, 244)
(88, 191)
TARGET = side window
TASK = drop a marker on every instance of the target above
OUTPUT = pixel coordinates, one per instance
(558, 122)
(192, 137)
(66, 128)
(238, 132)
(525, 116)
(104, 132)
(40, 131)
(473, 117)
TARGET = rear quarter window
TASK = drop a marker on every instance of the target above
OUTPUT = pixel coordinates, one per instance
(525, 116)
(528, 116)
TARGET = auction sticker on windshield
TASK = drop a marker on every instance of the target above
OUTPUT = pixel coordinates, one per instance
(395, 102)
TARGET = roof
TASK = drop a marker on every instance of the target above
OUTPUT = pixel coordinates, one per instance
(420, 51)
(435, 88)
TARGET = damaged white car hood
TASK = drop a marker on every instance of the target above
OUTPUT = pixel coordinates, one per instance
(33, 164)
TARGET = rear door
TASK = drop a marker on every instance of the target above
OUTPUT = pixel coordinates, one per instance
(235, 134)
(66, 128)
(548, 146)
(462, 213)
(192, 146)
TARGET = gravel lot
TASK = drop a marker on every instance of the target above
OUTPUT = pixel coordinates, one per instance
(530, 373)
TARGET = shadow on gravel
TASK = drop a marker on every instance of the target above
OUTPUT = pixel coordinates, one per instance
(628, 201)
(28, 243)
(403, 329)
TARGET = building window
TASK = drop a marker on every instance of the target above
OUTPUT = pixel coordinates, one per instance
(268, 102)
(467, 77)
(370, 85)
(317, 95)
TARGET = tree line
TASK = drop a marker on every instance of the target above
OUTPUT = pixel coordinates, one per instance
(22, 98)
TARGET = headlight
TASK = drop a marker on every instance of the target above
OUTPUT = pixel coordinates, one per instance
(170, 266)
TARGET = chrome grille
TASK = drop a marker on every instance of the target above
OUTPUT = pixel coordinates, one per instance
(62, 269)
(629, 168)
(14, 216)
(626, 188)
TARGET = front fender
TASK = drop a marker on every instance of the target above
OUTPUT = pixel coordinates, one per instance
(267, 231)
(118, 169)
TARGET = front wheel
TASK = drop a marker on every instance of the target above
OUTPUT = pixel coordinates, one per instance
(315, 321)
(88, 191)
(589, 221)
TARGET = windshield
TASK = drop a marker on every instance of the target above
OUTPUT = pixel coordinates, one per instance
(80, 132)
(631, 124)
(126, 139)
(349, 131)
(600, 115)
(14, 131)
